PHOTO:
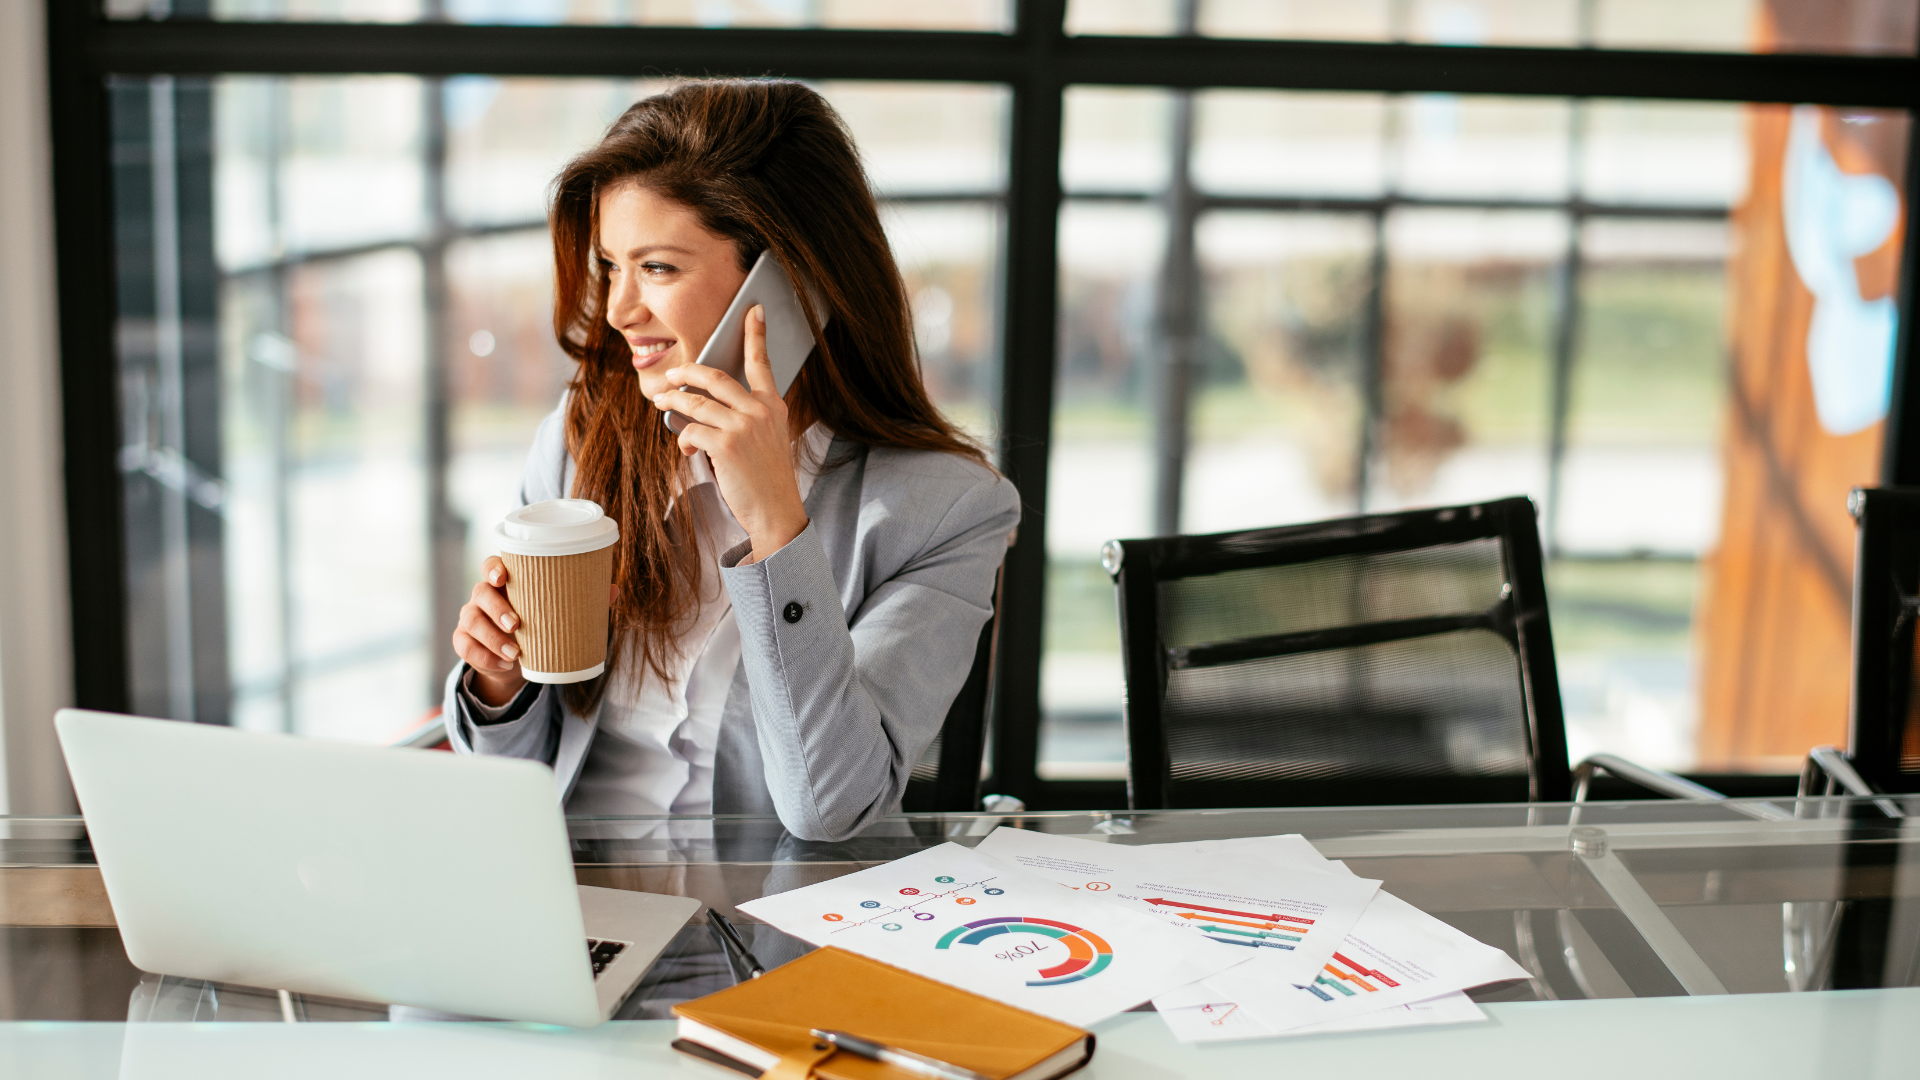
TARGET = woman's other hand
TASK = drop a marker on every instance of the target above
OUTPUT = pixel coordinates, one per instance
(484, 637)
(744, 432)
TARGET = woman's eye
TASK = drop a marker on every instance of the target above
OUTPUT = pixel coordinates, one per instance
(658, 268)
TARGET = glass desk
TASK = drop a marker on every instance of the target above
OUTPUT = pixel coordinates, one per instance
(1642, 899)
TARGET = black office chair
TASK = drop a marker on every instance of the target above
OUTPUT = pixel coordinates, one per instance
(1392, 658)
(1883, 732)
(947, 776)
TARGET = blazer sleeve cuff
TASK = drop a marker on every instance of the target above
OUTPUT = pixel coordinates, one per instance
(523, 736)
(485, 715)
(731, 557)
(784, 596)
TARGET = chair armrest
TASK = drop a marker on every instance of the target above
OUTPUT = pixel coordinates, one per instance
(1827, 767)
(1665, 783)
(428, 736)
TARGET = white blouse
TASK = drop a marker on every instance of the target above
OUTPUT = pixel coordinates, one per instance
(653, 753)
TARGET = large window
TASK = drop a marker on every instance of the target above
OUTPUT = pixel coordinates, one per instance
(1279, 307)
(1221, 280)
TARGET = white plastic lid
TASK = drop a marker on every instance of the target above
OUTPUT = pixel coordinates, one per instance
(556, 527)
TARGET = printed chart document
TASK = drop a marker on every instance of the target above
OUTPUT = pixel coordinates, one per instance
(1397, 955)
(995, 929)
(1291, 920)
(1223, 1021)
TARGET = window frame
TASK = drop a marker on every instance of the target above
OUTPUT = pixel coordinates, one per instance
(1036, 60)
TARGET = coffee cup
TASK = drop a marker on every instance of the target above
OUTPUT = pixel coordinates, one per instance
(559, 556)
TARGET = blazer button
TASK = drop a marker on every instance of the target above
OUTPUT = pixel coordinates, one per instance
(793, 611)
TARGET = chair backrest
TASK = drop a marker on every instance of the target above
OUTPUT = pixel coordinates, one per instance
(1392, 658)
(947, 776)
(1884, 728)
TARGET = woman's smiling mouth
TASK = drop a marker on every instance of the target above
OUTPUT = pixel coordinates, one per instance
(645, 354)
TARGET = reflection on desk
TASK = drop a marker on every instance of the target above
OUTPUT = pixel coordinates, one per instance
(1858, 1034)
(1670, 899)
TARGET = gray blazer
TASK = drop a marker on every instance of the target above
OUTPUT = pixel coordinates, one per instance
(828, 713)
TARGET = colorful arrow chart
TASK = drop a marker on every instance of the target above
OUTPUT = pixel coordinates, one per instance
(1250, 933)
(1161, 901)
(1250, 944)
(1354, 973)
(1087, 953)
(1243, 922)
(1254, 938)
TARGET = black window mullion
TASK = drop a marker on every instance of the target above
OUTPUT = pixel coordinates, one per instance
(1900, 460)
(1199, 62)
(89, 372)
(195, 47)
(1028, 350)
(439, 48)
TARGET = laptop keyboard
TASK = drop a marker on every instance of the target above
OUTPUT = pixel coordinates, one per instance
(602, 953)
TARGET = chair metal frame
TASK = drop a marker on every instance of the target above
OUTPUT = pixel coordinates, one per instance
(1886, 612)
(1519, 615)
(1828, 772)
(1664, 783)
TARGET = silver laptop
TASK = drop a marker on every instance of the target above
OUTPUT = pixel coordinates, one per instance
(352, 871)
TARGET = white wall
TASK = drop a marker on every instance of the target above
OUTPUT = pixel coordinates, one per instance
(35, 648)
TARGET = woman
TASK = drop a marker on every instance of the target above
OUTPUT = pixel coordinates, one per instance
(799, 584)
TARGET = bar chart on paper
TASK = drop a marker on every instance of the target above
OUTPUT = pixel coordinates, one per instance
(1343, 975)
(1396, 955)
(1397, 966)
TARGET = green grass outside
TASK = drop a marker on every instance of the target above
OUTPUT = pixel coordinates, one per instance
(1652, 368)
(1607, 605)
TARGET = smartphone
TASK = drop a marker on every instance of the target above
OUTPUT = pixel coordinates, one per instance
(789, 341)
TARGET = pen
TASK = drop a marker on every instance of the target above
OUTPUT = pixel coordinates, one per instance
(732, 937)
(900, 1059)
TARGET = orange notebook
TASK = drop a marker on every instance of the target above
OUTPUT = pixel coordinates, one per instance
(751, 1027)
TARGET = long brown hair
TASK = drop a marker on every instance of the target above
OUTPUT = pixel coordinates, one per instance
(769, 165)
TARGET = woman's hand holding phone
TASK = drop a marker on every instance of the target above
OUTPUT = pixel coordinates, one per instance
(744, 432)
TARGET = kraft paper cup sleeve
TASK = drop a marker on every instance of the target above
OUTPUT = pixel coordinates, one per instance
(559, 559)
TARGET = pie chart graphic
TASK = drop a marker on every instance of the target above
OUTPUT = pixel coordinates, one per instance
(1087, 953)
